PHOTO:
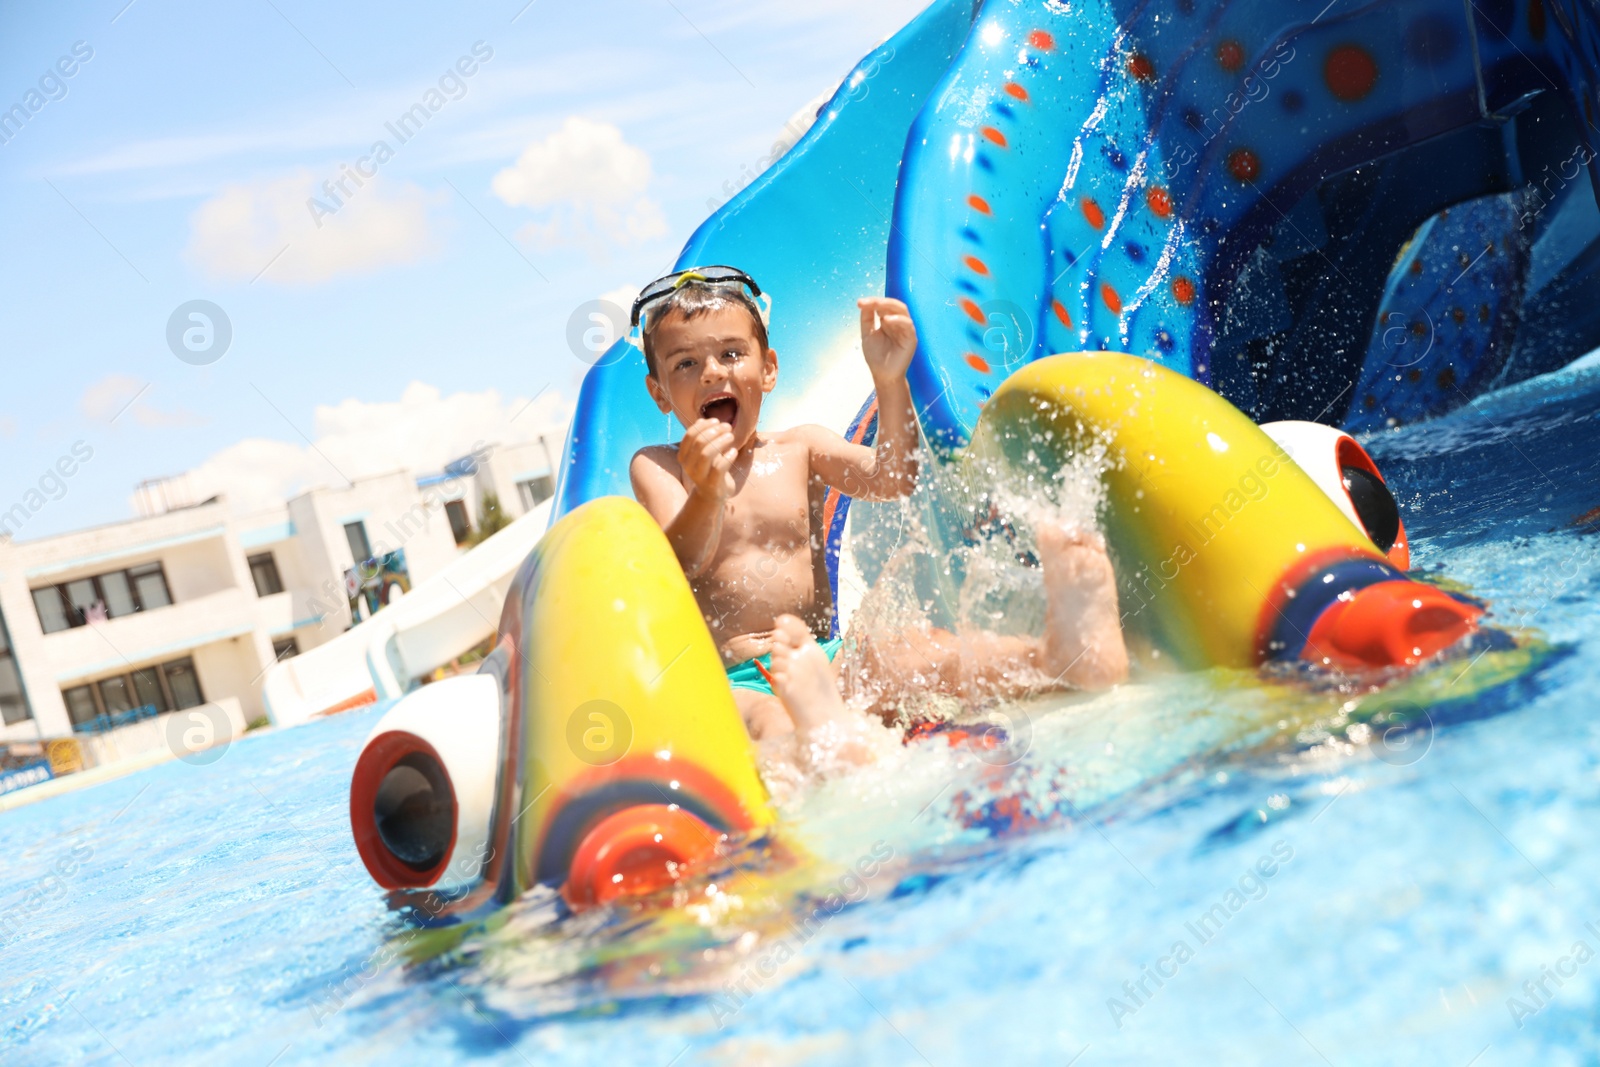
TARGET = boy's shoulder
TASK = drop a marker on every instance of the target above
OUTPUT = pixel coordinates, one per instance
(808, 434)
(660, 455)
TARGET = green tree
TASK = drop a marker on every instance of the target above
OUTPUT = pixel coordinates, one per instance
(491, 519)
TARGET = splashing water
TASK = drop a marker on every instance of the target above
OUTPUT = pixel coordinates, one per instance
(959, 555)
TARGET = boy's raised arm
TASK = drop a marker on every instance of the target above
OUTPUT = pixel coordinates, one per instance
(888, 471)
(691, 518)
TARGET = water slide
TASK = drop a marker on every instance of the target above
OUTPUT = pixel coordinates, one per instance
(1356, 214)
(1205, 202)
(1353, 213)
(385, 656)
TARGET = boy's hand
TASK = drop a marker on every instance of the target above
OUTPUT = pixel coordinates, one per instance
(888, 338)
(706, 455)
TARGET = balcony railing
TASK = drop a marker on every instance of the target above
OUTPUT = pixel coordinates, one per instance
(107, 721)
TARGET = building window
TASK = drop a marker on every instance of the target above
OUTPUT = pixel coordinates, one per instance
(264, 569)
(147, 690)
(127, 698)
(81, 707)
(13, 698)
(360, 547)
(282, 650)
(52, 610)
(183, 683)
(118, 593)
(116, 695)
(535, 491)
(101, 597)
(83, 599)
(460, 527)
(150, 585)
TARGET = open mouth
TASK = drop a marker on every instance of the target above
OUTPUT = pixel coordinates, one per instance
(722, 408)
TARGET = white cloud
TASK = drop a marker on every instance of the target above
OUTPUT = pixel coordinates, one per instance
(589, 185)
(623, 296)
(113, 396)
(268, 229)
(420, 432)
(145, 415)
(582, 161)
(256, 474)
(108, 395)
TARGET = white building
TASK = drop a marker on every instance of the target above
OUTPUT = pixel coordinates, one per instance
(107, 626)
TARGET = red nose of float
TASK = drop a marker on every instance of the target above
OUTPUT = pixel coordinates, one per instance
(637, 851)
(1389, 624)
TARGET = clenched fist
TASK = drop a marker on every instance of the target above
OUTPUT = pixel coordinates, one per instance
(706, 455)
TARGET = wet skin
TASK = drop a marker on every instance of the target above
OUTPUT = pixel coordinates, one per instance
(741, 510)
(740, 505)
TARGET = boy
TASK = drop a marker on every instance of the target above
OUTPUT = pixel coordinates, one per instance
(740, 508)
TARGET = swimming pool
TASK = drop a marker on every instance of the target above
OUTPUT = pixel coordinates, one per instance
(1341, 896)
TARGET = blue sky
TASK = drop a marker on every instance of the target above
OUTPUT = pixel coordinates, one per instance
(178, 161)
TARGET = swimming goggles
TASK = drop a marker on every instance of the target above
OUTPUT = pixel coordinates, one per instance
(717, 276)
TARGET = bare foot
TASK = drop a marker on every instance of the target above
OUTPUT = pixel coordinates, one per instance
(1083, 633)
(803, 679)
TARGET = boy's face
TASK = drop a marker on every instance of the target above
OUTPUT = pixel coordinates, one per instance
(712, 367)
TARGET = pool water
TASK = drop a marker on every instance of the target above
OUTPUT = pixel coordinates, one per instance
(1196, 869)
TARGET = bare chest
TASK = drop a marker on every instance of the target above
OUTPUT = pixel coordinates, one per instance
(772, 502)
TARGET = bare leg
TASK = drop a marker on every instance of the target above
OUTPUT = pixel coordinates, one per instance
(764, 716)
(1083, 643)
(975, 665)
(805, 681)
(1082, 646)
(773, 733)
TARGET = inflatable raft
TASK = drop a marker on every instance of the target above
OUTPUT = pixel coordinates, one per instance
(599, 749)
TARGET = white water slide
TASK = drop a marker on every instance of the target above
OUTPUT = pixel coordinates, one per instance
(425, 629)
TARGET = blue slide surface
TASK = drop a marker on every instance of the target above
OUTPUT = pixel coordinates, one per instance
(1358, 213)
